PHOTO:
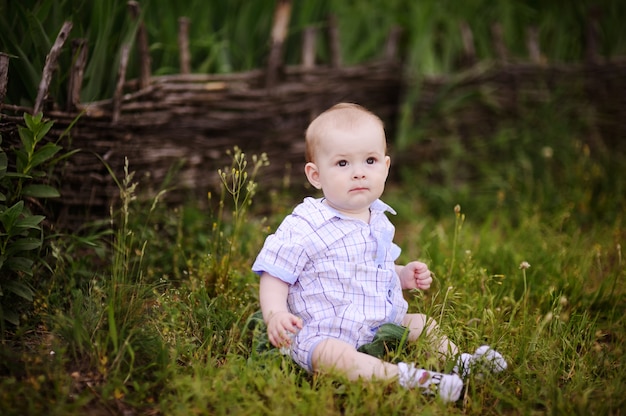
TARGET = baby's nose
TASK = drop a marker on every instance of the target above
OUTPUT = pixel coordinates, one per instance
(358, 172)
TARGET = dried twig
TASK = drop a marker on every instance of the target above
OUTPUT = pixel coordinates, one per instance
(4, 75)
(50, 66)
(142, 46)
(79, 54)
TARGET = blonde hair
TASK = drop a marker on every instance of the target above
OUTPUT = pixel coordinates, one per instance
(340, 116)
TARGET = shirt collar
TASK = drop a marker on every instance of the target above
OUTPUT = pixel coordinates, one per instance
(317, 212)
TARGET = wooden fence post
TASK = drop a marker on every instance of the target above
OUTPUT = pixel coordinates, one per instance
(282, 15)
(498, 43)
(391, 46)
(119, 87)
(142, 46)
(50, 66)
(4, 75)
(183, 45)
(592, 33)
(79, 61)
(333, 37)
(469, 49)
(309, 39)
(532, 43)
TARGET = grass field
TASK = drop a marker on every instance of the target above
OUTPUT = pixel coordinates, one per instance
(150, 316)
(148, 312)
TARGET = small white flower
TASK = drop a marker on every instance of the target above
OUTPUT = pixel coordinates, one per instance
(524, 265)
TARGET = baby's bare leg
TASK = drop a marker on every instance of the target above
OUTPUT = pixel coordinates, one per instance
(419, 323)
(333, 354)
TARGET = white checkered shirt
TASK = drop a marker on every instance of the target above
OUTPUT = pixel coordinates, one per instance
(341, 274)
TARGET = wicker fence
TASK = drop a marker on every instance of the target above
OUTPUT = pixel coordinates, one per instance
(184, 124)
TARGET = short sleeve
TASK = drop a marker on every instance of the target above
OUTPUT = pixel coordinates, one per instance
(284, 253)
(394, 251)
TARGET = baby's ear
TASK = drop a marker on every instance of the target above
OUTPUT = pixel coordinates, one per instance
(313, 175)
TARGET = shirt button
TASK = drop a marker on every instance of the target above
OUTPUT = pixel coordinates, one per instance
(389, 293)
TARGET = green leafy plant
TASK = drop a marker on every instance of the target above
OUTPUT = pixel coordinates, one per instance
(22, 184)
(239, 182)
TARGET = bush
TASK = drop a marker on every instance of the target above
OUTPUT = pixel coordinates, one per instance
(23, 182)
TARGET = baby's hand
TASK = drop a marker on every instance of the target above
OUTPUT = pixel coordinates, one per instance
(416, 275)
(280, 325)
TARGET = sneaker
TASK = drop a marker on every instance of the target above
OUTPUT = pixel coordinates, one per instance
(485, 358)
(447, 386)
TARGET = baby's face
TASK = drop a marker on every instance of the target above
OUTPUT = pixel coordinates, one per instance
(352, 167)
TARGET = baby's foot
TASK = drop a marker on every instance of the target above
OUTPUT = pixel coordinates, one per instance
(490, 359)
(484, 358)
(447, 386)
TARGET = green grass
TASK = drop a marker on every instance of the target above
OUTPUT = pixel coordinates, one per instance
(150, 314)
(234, 36)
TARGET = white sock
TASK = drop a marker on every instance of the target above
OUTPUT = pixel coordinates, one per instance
(485, 357)
(449, 386)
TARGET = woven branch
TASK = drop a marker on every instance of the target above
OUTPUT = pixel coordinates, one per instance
(188, 122)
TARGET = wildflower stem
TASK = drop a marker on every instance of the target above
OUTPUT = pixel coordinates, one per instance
(458, 223)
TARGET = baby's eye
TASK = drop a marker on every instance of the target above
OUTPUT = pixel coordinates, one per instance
(371, 160)
(342, 163)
